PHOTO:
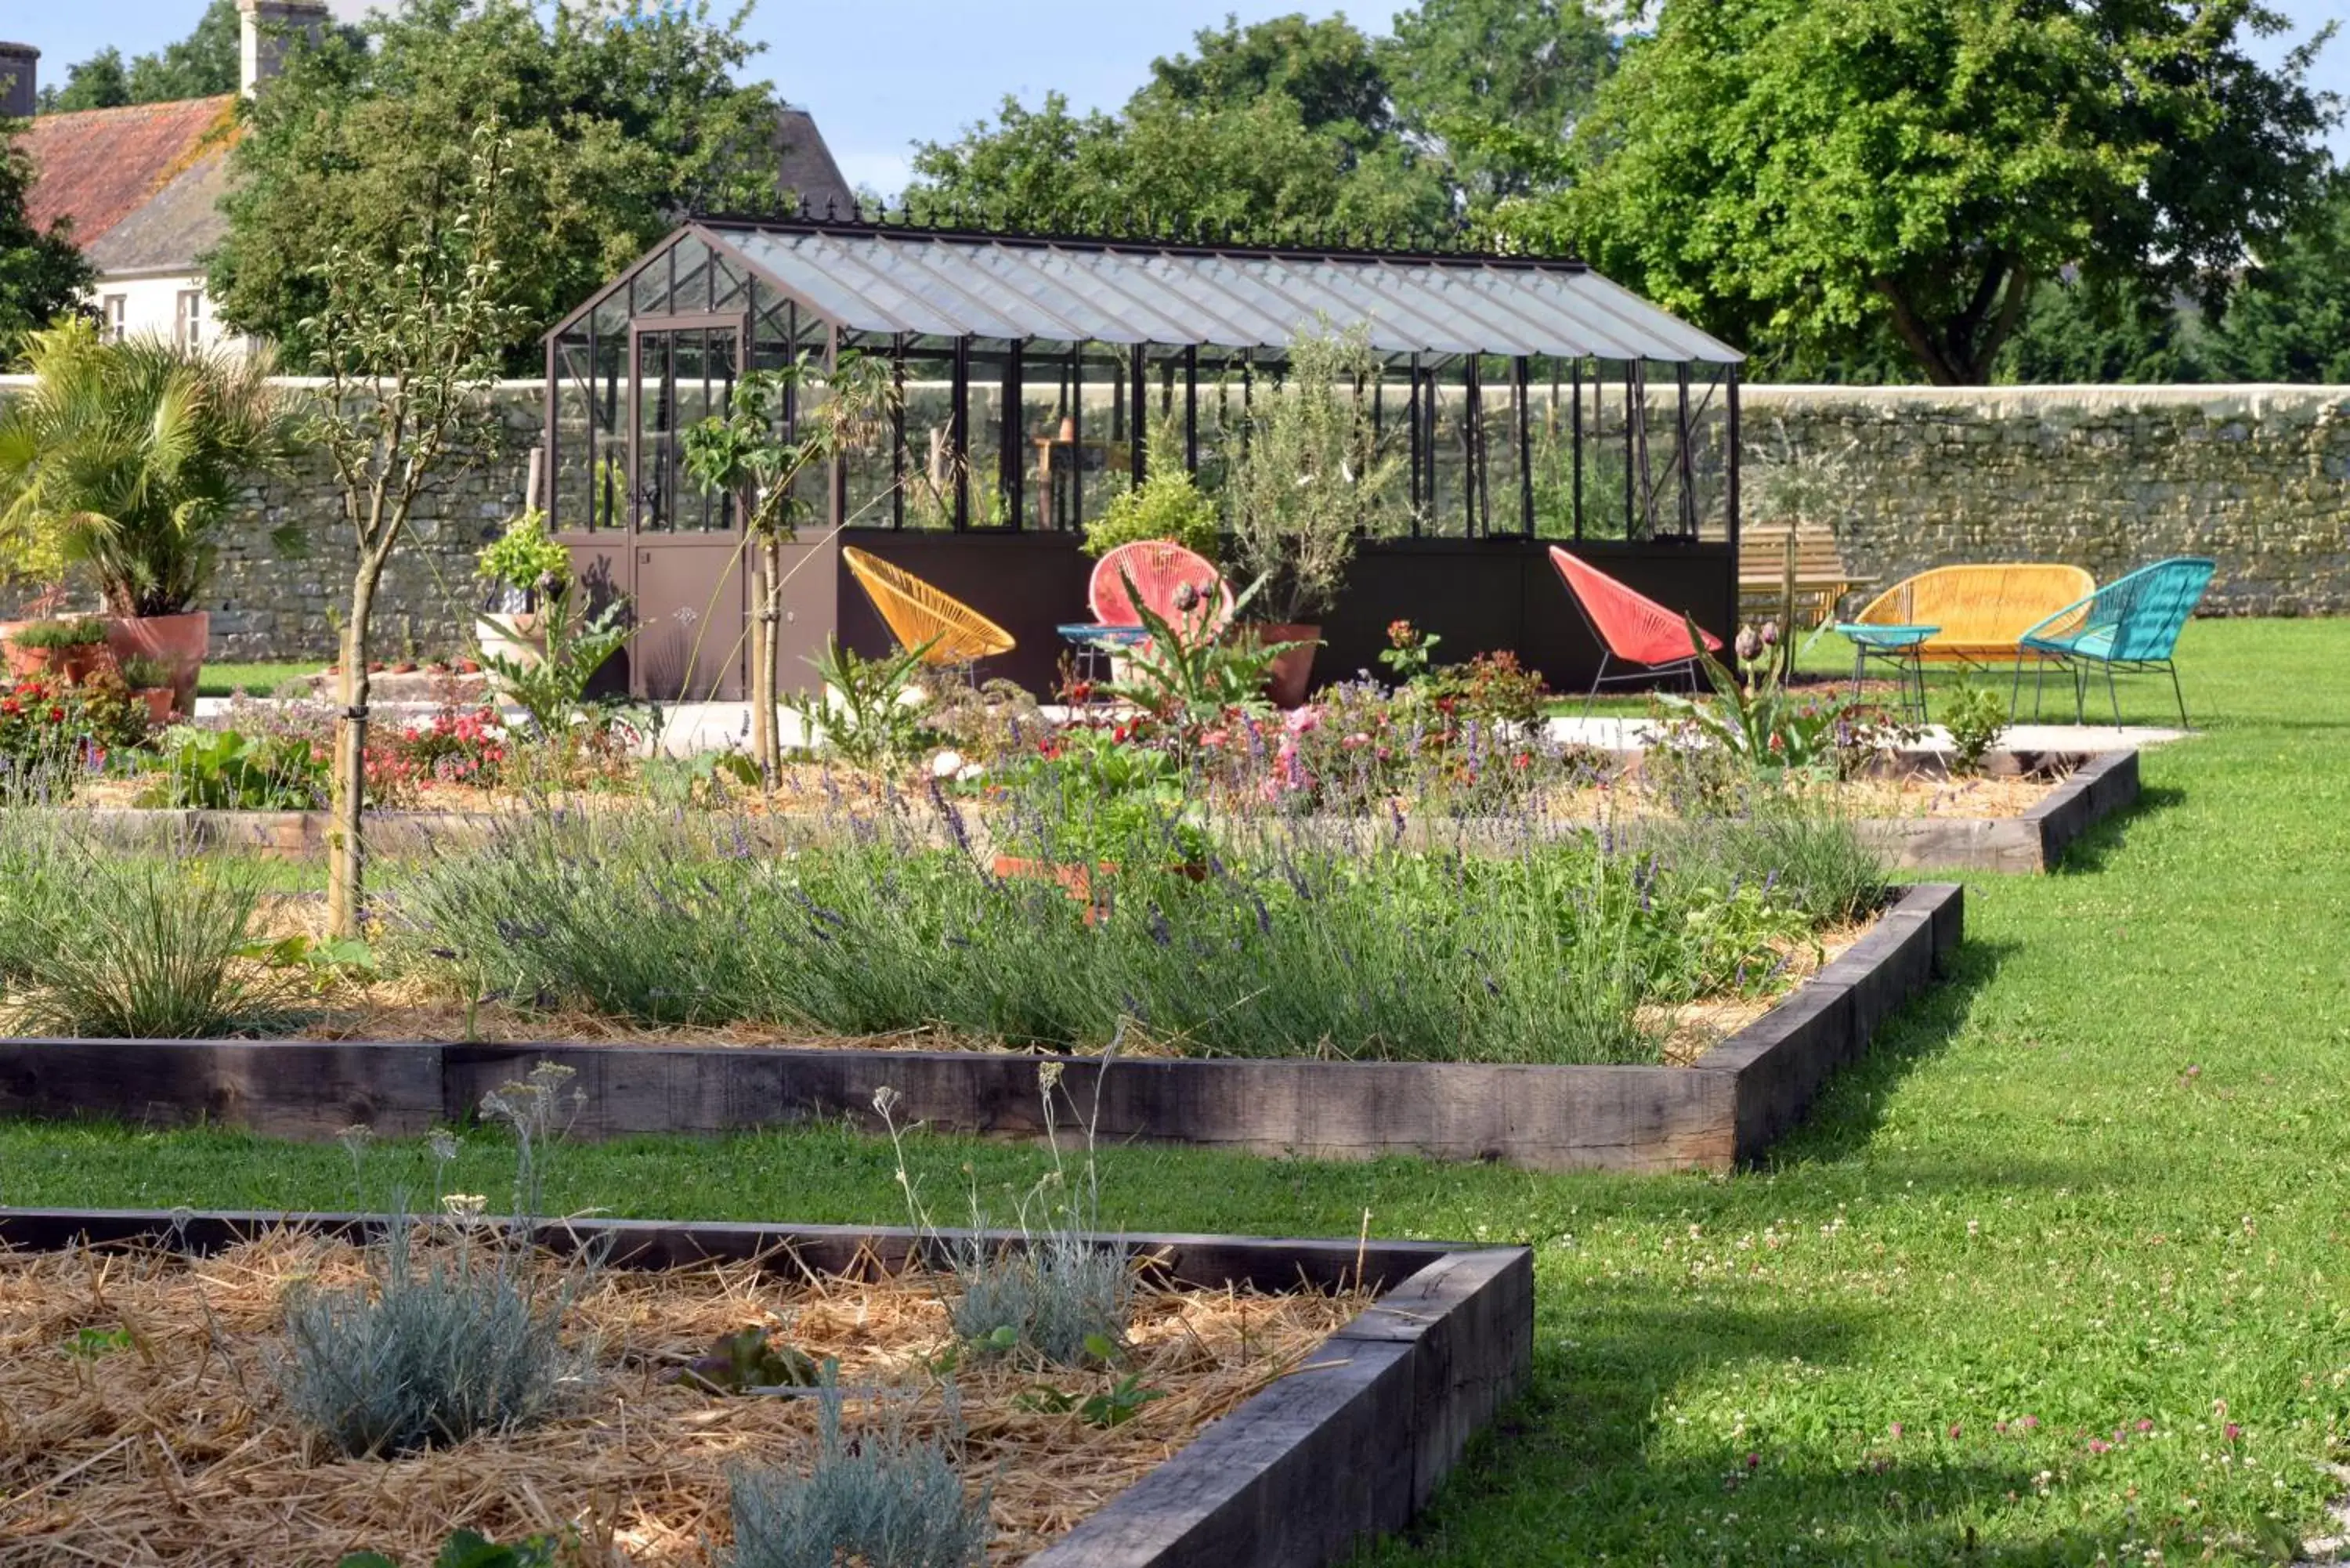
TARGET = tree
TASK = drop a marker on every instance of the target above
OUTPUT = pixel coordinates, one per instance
(774, 435)
(98, 82)
(42, 275)
(409, 352)
(2070, 335)
(621, 116)
(1497, 85)
(205, 63)
(1818, 172)
(2290, 321)
(125, 458)
(1279, 131)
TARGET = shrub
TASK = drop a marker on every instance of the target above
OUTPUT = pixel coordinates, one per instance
(1061, 1297)
(87, 633)
(1976, 718)
(467, 1550)
(1167, 505)
(223, 770)
(145, 674)
(521, 557)
(149, 948)
(884, 1499)
(431, 1354)
(53, 731)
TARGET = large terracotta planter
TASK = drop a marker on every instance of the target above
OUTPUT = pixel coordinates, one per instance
(177, 642)
(161, 703)
(72, 665)
(1292, 669)
(516, 637)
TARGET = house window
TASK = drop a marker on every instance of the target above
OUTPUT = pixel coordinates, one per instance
(188, 330)
(117, 309)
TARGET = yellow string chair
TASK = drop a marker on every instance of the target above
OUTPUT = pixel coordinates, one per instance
(918, 614)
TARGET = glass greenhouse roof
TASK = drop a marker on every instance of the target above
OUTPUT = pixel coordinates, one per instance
(930, 283)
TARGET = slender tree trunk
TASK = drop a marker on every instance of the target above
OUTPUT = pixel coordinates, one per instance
(766, 723)
(345, 847)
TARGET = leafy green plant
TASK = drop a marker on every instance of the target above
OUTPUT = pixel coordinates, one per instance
(467, 1550)
(1112, 1407)
(222, 770)
(859, 708)
(1976, 718)
(89, 1343)
(742, 1362)
(145, 674)
(881, 1498)
(521, 557)
(80, 632)
(679, 781)
(1167, 506)
(552, 690)
(1192, 678)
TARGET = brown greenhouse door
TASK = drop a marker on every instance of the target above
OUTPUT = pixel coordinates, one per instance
(686, 547)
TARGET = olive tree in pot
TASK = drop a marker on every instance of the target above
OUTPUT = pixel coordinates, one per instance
(123, 461)
(1308, 477)
(523, 566)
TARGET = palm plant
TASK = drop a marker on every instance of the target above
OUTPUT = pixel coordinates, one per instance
(125, 458)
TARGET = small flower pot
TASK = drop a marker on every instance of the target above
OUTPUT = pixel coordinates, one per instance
(159, 704)
(177, 642)
(515, 636)
(71, 665)
(1292, 669)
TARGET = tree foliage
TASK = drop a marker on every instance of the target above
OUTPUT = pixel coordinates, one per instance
(620, 115)
(42, 275)
(2290, 321)
(1494, 86)
(1820, 174)
(202, 65)
(1270, 130)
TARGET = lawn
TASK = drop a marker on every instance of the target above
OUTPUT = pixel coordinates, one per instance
(253, 679)
(2055, 1275)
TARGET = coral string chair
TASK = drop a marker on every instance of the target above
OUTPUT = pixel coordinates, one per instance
(948, 630)
(1632, 628)
(1160, 570)
(2131, 625)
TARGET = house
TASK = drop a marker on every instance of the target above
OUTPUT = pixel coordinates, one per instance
(139, 186)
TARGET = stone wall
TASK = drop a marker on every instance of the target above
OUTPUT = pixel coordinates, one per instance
(2107, 478)
(269, 607)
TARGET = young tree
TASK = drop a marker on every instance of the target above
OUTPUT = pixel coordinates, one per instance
(621, 114)
(42, 275)
(410, 354)
(1822, 172)
(782, 427)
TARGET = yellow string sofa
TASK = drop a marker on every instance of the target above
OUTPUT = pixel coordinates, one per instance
(1983, 610)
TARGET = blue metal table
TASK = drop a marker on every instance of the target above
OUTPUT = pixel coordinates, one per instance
(1898, 646)
(1094, 642)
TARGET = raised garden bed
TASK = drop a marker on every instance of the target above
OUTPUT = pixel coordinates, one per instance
(1345, 1439)
(1723, 1108)
(2094, 789)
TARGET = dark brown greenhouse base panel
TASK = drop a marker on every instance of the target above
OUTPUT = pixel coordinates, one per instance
(1481, 596)
(2036, 841)
(1350, 1445)
(1724, 1110)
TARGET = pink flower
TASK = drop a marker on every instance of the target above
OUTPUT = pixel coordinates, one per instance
(1355, 742)
(2234, 1431)
(2144, 1425)
(1954, 1431)
(1896, 1428)
(2029, 1422)
(1215, 738)
(2098, 1445)
(1303, 721)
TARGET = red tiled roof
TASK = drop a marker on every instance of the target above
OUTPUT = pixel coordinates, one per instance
(97, 167)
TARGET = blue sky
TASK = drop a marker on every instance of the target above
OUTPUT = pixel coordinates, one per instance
(880, 74)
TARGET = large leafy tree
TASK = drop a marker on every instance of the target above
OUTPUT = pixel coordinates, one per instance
(617, 116)
(2290, 321)
(1273, 130)
(42, 275)
(1497, 85)
(1822, 173)
(201, 65)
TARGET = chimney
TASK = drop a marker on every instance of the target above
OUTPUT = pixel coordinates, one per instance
(19, 86)
(267, 31)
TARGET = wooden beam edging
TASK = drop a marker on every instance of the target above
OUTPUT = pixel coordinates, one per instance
(1350, 1445)
(2033, 842)
(1725, 1108)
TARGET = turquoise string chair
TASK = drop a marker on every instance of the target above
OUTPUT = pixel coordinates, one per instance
(2131, 626)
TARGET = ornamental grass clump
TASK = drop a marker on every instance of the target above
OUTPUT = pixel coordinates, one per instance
(460, 1329)
(882, 1497)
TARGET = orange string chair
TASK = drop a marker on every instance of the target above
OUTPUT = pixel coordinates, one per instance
(1632, 628)
(918, 614)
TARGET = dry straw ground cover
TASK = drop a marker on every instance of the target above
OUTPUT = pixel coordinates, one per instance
(140, 1424)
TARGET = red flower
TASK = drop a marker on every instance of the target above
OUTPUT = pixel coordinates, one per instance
(57, 714)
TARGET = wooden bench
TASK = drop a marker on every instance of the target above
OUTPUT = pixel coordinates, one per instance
(1821, 580)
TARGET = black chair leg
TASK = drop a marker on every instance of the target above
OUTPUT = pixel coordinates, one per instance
(2172, 665)
(2112, 695)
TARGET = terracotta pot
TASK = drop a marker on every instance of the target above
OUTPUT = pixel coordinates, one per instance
(1285, 682)
(515, 636)
(70, 664)
(177, 642)
(1074, 877)
(160, 702)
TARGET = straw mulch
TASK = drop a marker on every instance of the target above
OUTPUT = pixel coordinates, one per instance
(178, 1449)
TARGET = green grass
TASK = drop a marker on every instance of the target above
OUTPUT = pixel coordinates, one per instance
(2094, 1181)
(253, 679)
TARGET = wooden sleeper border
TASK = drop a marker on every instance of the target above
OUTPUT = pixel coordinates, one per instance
(1350, 1445)
(1725, 1109)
